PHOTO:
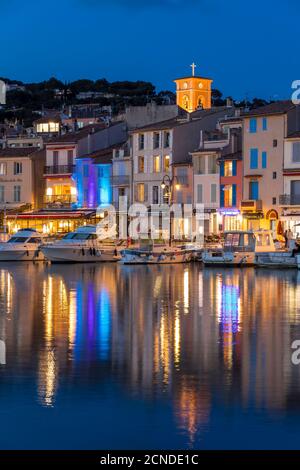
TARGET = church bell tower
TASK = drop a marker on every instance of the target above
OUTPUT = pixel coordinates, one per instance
(193, 92)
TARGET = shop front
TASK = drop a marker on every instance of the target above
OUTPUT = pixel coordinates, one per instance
(50, 222)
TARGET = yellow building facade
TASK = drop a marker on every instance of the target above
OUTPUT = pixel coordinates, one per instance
(193, 92)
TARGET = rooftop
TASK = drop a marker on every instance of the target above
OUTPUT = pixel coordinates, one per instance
(13, 152)
(278, 107)
(74, 137)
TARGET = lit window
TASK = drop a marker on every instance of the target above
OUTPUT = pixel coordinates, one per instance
(166, 163)
(227, 168)
(141, 192)
(156, 164)
(2, 169)
(141, 164)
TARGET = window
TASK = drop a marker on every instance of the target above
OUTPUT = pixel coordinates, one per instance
(2, 194)
(155, 195)
(17, 193)
(156, 140)
(166, 163)
(275, 143)
(227, 195)
(141, 141)
(213, 193)
(100, 172)
(253, 125)
(2, 169)
(274, 201)
(141, 164)
(141, 192)
(17, 168)
(199, 193)
(296, 152)
(227, 168)
(253, 159)
(55, 157)
(167, 139)
(85, 171)
(253, 190)
(264, 124)
(70, 157)
(200, 165)
(274, 175)
(295, 191)
(212, 164)
(264, 160)
(156, 164)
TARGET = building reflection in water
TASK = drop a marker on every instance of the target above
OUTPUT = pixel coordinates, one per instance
(179, 335)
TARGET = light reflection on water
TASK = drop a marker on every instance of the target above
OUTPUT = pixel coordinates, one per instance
(151, 357)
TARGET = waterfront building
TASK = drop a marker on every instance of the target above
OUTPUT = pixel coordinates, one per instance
(122, 174)
(61, 154)
(207, 178)
(183, 178)
(264, 133)
(193, 92)
(231, 181)
(289, 201)
(21, 177)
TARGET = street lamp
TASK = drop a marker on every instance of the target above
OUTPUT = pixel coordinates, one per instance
(169, 184)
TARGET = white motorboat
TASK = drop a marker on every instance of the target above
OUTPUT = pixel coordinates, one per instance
(280, 259)
(240, 248)
(82, 246)
(24, 245)
(149, 253)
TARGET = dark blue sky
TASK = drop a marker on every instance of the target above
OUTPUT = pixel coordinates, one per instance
(246, 47)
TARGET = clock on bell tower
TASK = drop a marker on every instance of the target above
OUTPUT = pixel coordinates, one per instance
(193, 92)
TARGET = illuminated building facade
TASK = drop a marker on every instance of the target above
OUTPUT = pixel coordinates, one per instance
(264, 133)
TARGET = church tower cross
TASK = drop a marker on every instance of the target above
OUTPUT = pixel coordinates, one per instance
(193, 65)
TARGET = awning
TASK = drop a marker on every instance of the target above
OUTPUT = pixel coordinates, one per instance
(53, 215)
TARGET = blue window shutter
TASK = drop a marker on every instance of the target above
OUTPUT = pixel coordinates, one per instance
(264, 124)
(222, 169)
(253, 159)
(234, 195)
(222, 195)
(254, 190)
(234, 168)
(264, 160)
(253, 125)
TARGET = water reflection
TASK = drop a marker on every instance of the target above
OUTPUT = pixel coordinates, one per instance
(182, 339)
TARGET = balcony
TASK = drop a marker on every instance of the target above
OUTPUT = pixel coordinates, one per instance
(59, 169)
(251, 205)
(289, 200)
(121, 180)
(62, 200)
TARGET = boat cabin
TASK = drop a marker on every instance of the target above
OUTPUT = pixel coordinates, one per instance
(248, 241)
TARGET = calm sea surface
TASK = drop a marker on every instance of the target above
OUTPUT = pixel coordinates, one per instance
(165, 357)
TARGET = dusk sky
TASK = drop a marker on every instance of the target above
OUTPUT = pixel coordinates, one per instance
(248, 48)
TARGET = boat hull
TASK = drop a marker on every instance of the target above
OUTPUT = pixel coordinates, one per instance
(79, 255)
(232, 259)
(21, 255)
(278, 261)
(135, 257)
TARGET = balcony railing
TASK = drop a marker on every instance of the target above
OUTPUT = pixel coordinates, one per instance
(59, 169)
(60, 200)
(289, 200)
(121, 180)
(251, 205)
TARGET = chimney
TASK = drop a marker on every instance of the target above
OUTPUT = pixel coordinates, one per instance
(201, 139)
(229, 102)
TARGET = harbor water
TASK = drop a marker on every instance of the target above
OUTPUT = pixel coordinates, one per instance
(107, 356)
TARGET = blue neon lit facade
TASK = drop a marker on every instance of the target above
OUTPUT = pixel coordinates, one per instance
(94, 184)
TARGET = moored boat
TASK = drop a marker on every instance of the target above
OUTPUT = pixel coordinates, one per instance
(149, 253)
(82, 246)
(240, 248)
(24, 245)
